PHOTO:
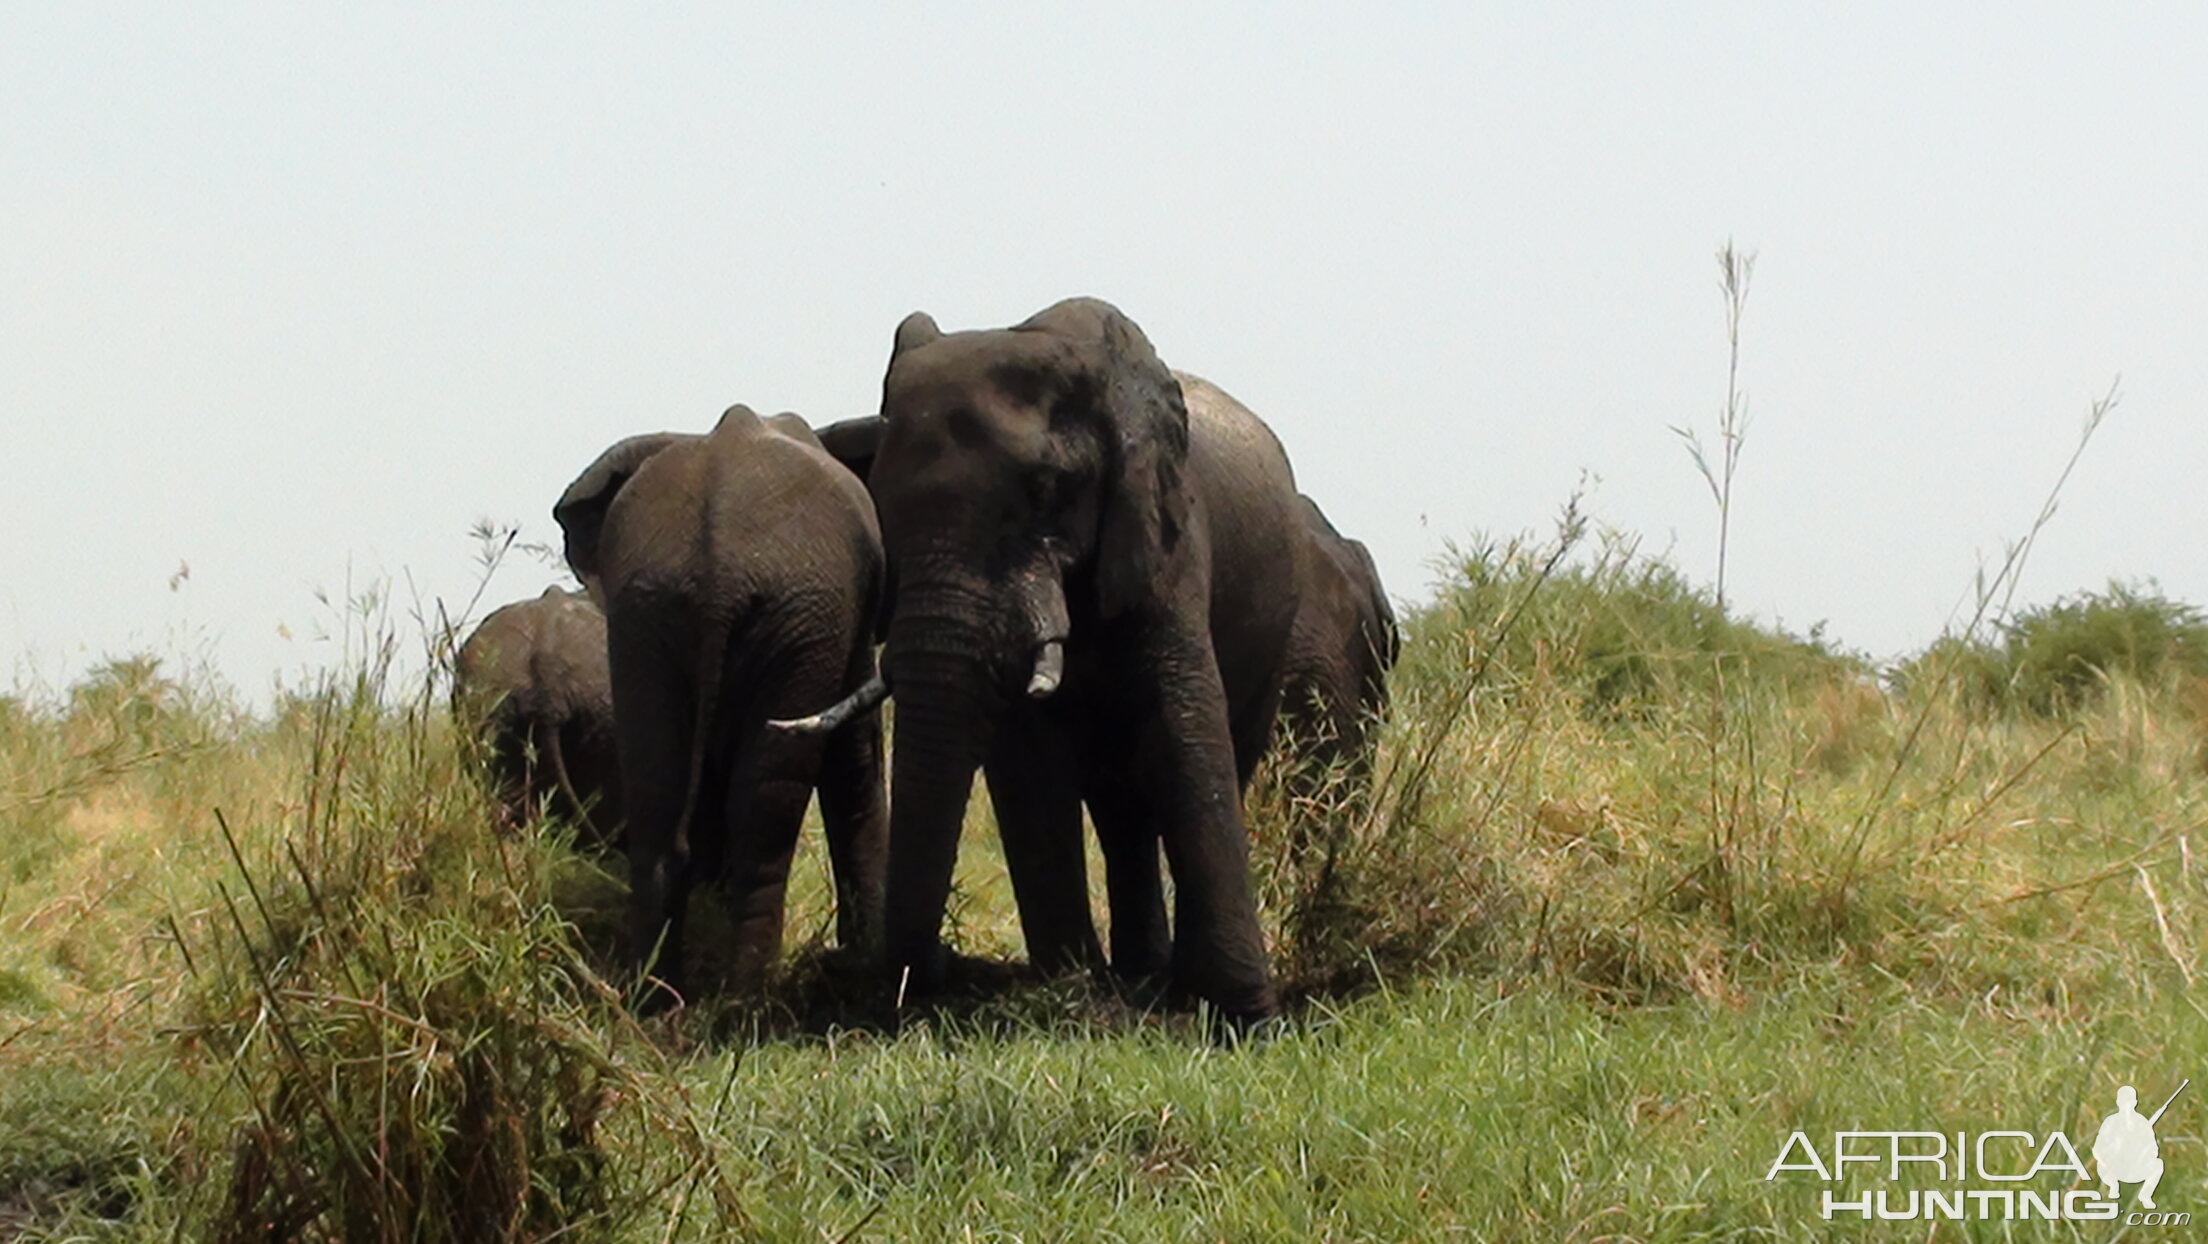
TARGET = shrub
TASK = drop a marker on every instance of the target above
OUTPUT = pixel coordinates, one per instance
(1529, 651)
(2055, 659)
(2060, 655)
(1623, 633)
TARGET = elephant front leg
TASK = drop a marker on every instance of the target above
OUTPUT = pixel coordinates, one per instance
(1142, 941)
(1034, 785)
(1185, 763)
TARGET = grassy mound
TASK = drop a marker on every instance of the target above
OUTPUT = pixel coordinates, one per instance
(1596, 776)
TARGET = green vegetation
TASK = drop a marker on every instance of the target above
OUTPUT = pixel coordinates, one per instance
(1640, 888)
(2056, 659)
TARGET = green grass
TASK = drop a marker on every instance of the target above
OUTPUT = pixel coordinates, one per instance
(1640, 889)
(1453, 1110)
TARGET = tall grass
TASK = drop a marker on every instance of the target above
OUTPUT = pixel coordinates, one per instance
(346, 1008)
(383, 1026)
(1597, 773)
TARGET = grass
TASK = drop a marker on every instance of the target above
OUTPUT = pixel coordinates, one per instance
(1529, 1005)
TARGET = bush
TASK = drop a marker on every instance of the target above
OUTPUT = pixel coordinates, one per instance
(2056, 659)
(1535, 692)
(1621, 632)
(2060, 655)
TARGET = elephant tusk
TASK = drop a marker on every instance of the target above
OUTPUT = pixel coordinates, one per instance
(869, 696)
(1050, 669)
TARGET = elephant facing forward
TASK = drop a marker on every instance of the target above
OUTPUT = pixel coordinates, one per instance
(1094, 569)
(533, 678)
(740, 572)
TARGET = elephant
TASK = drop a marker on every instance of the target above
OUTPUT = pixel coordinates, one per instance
(533, 677)
(1093, 564)
(741, 574)
(1340, 650)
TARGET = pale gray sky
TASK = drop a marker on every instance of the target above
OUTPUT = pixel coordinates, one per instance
(292, 293)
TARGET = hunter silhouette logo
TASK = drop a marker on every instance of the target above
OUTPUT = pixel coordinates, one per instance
(2125, 1152)
(1998, 1175)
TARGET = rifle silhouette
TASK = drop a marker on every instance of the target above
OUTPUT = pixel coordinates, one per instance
(2166, 1105)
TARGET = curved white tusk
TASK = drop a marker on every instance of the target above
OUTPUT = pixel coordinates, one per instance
(869, 696)
(1050, 669)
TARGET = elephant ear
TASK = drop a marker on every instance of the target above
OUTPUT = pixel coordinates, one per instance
(852, 442)
(917, 329)
(581, 510)
(1145, 503)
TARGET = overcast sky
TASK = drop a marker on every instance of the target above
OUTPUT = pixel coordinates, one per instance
(292, 295)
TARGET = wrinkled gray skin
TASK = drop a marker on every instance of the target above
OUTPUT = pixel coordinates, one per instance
(1052, 490)
(1339, 653)
(533, 678)
(741, 573)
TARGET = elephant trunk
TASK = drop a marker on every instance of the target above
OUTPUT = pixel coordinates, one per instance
(946, 694)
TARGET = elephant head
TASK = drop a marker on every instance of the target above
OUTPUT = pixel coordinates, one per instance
(1022, 464)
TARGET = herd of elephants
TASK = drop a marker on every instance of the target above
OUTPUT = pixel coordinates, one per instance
(1090, 577)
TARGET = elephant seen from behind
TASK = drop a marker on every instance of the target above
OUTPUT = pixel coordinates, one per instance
(741, 574)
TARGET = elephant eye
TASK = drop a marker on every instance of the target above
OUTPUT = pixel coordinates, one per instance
(965, 428)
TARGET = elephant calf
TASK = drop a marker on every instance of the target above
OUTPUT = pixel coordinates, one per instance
(740, 572)
(1339, 652)
(533, 678)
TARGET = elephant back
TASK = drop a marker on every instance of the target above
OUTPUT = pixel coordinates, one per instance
(542, 658)
(747, 517)
(1245, 493)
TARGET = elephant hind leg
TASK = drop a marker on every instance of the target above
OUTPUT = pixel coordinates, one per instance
(766, 809)
(653, 708)
(855, 813)
(588, 750)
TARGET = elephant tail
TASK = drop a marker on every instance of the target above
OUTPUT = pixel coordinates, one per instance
(712, 655)
(557, 750)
